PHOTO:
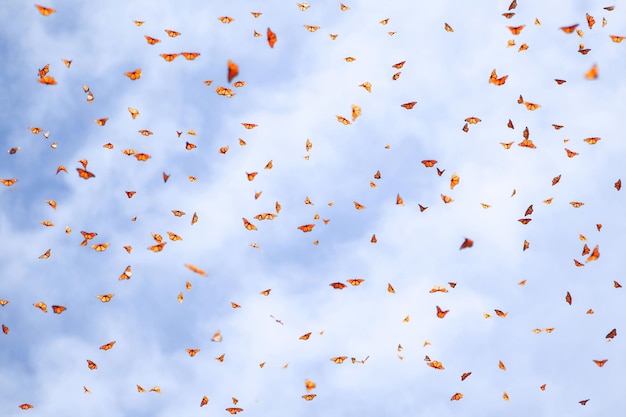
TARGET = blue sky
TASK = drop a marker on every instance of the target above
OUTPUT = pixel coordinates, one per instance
(294, 92)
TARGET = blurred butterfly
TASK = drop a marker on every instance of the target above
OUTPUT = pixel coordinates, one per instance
(616, 39)
(467, 243)
(465, 375)
(592, 73)
(233, 70)
(168, 57)
(225, 19)
(205, 401)
(271, 38)
(25, 406)
(448, 28)
(42, 306)
(172, 33)
(441, 313)
(583, 402)
(232, 410)
(8, 182)
(248, 225)
(358, 206)
(516, 30)
(309, 397)
(446, 199)
(47, 80)
(436, 365)
(410, 105)
(355, 281)
(107, 346)
(339, 359)
(456, 397)
(343, 120)
(46, 11)
(367, 85)
(151, 40)
(58, 309)
(569, 29)
(196, 270)
(91, 365)
(311, 28)
(134, 75)
(493, 78)
(338, 285)
(193, 352)
(84, 174)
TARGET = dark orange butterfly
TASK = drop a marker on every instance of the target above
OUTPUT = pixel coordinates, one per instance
(515, 30)
(338, 285)
(618, 184)
(172, 33)
(559, 82)
(436, 365)
(193, 352)
(168, 57)
(151, 40)
(233, 70)
(493, 78)
(234, 410)
(142, 156)
(583, 402)
(569, 29)
(158, 247)
(25, 406)
(190, 56)
(616, 39)
(358, 206)
(9, 182)
(441, 313)
(410, 105)
(305, 337)
(46, 11)
(107, 346)
(429, 163)
(592, 74)
(568, 298)
(467, 243)
(355, 281)
(306, 227)
(134, 75)
(524, 221)
(47, 80)
(225, 19)
(595, 254)
(456, 397)
(5, 329)
(58, 309)
(465, 375)
(271, 38)
(205, 401)
(248, 225)
(84, 173)
(42, 306)
(339, 359)
(91, 364)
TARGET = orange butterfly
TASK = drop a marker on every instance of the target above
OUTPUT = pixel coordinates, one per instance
(205, 401)
(595, 254)
(508, 15)
(107, 346)
(234, 410)
(448, 28)
(446, 199)
(515, 30)
(196, 270)
(58, 309)
(355, 281)
(429, 163)
(151, 40)
(409, 105)
(441, 313)
(190, 56)
(531, 106)
(338, 285)
(343, 120)
(306, 337)
(91, 364)
(46, 11)
(5, 329)
(569, 29)
(84, 174)
(311, 28)
(493, 78)
(358, 206)
(158, 247)
(168, 57)
(306, 227)
(436, 364)
(465, 375)
(339, 359)
(473, 120)
(142, 156)
(527, 143)
(192, 353)
(390, 289)
(47, 80)
(100, 247)
(46, 255)
(373, 239)
(172, 33)
(42, 306)
(592, 74)
(618, 184)
(559, 82)
(506, 145)
(467, 243)
(233, 70)
(25, 406)
(9, 182)
(248, 225)
(454, 181)
(456, 397)
(225, 19)
(570, 154)
(616, 39)
(271, 38)
(134, 75)
(524, 221)
(583, 402)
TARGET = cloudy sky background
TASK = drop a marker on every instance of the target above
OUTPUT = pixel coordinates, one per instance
(294, 92)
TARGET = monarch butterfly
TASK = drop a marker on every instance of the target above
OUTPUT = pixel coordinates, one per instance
(9, 182)
(446, 199)
(249, 125)
(399, 200)
(527, 143)
(559, 82)
(358, 206)
(590, 20)
(350, 59)
(173, 236)
(25, 406)
(485, 206)
(4, 302)
(429, 163)
(47, 80)
(390, 289)
(582, 50)
(454, 181)
(156, 389)
(465, 375)
(107, 346)
(508, 15)
(151, 40)
(234, 410)
(409, 105)
(271, 38)
(225, 19)
(248, 225)
(595, 254)
(233, 70)
(13, 151)
(396, 76)
(592, 74)
(84, 174)
(134, 75)
(374, 239)
(205, 401)
(196, 270)
(193, 352)
(168, 57)
(531, 106)
(91, 364)
(506, 145)
(194, 218)
(172, 33)
(438, 288)
(611, 334)
(493, 78)
(46, 11)
(505, 396)
(339, 359)
(338, 285)
(465, 128)
(618, 184)
(58, 309)
(265, 216)
(570, 154)
(529, 210)
(221, 357)
(467, 243)
(239, 84)
(105, 298)
(441, 313)
(524, 220)
(456, 397)
(523, 47)
(309, 397)
(5, 329)
(311, 28)
(577, 204)
(46, 255)
(448, 28)
(158, 247)
(569, 29)
(616, 39)
(343, 120)
(583, 402)
(500, 313)
(189, 146)
(42, 306)
(138, 22)
(436, 365)
(333, 36)
(515, 30)
(100, 247)
(355, 281)
(142, 156)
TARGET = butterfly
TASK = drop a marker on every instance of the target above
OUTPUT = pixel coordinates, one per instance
(151, 40)
(8, 182)
(569, 29)
(134, 75)
(456, 397)
(531, 106)
(84, 174)
(343, 7)
(500, 313)
(339, 359)
(311, 28)
(142, 156)
(46, 255)
(248, 225)
(409, 105)
(436, 365)
(309, 397)
(358, 206)
(100, 247)
(465, 375)
(350, 59)
(508, 15)
(367, 85)
(46, 11)
(91, 364)
(355, 281)
(527, 143)
(446, 199)
(454, 181)
(221, 357)
(107, 346)
(467, 243)
(25, 406)
(217, 337)
(501, 365)
(516, 30)
(600, 363)
(396, 76)
(616, 39)
(172, 33)
(611, 334)
(595, 254)
(441, 313)
(448, 28)
(58, 309)
(592, 74)
(47, 80)
(234, 410)
(265, 292)
(205, 401)
(338, 285)
(493, 78)
(225, 19)
(42, 306)
(105, 298)
(193, 352)
(473, 120)
(168, 57)
(577, 204)
(343, 120)
(271, 37)
(429, 163)
(196, 270)
(233, 70)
